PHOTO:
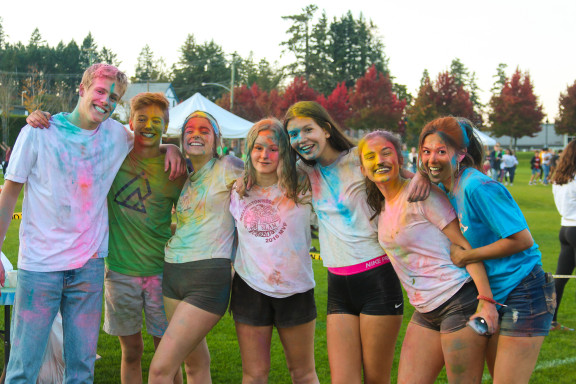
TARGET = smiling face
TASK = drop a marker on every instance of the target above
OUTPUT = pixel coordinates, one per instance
(265, 154)
(148, 125)
(438, 159)
(198, 138)
(308, 138)
(380, 162)
(98, 101)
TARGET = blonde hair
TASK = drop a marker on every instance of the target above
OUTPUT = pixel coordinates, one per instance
(107, 71)
(146, 99)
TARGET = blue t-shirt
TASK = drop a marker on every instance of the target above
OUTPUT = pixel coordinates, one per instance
(487, 213)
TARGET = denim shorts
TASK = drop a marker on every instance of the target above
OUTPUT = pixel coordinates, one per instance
(204, 284)
(453, 315)
(374, 292)
(251, 307)
(530, 306)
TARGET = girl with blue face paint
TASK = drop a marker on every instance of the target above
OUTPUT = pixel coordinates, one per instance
(273, 283)
(493, 224)
(197, 267)
(365, 302)
(417, 238)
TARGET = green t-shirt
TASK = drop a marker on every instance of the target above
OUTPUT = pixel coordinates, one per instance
(140, 213)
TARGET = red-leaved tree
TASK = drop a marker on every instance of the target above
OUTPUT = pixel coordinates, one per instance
(451, 98)
(516, 111)
(337, 104)
(296, 91)
(374, 105)
(566, 121)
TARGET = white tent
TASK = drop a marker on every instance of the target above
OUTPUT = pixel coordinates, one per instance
(232, 126)
(484, 138)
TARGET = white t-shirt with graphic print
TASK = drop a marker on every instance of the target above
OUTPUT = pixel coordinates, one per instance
(273, 242)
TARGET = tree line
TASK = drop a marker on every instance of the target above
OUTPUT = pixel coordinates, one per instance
(339, 62)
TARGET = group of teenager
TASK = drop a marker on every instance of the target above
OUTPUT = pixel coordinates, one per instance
(451, 236)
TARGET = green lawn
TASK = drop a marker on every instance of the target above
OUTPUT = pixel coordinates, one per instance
(557, 363)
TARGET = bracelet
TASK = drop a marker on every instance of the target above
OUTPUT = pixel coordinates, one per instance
(491, 301)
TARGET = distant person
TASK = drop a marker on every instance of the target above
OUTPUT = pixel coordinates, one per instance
(509, 163)
(535, 166)
(564, 190)
(6, 159)
(554, 161)
(487, 165)
(413, 160)
(496, 159)
(546, 158)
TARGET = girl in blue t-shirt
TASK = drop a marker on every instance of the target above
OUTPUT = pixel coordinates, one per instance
(492, 222)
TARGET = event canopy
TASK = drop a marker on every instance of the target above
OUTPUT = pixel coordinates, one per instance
(486, 140)
(232, 126)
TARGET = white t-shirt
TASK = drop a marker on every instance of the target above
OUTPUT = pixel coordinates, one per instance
(347, 235)
(508, 161)
(565, 199)
(205, 228)
(67, 173)
(273, 242)
(411, 234)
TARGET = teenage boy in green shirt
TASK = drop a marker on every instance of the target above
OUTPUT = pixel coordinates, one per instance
(140, 206)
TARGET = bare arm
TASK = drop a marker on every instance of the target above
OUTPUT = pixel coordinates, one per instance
(478, 273)
(8, 199)
(505, 247)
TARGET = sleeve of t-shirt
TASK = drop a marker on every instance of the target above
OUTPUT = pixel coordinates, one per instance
(24, 155)
(437, 208)
(495, 207)
(234, 203)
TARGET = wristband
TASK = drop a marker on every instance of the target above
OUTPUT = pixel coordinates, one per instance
(491, 301)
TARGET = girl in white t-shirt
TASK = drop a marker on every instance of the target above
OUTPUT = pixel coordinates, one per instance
(417, 238)
(273, 283)
(197, 268)
(365, 302)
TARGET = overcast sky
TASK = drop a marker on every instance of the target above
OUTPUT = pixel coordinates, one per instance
(536, 36)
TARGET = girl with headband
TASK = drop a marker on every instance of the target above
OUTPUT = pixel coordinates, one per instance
(493, 224)
(197, 268)
(273, 283)
(365, 301)
(417, 239)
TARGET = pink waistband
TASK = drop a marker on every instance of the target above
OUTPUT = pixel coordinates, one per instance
(362, 267)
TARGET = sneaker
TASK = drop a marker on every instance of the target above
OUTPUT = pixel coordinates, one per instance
(511, 184)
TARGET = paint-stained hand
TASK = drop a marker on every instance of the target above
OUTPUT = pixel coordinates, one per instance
(489, 313)
(419, 188)
(458, 256)
(39, 119)
(243, 184)
(174, 161)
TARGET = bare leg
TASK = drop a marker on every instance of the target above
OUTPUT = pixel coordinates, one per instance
(298, 345)
(516, 358)
(178, 379)
(130, 366)
(186, 331)
(344, 348)
(464, 353)
(421, 359)
(378, 337)
(254, 345)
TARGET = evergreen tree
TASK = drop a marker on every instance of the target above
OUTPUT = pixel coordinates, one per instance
(88, 52)
(500, 79)
(299, 41)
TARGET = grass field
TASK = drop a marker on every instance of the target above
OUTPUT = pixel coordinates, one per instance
(557, 362)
